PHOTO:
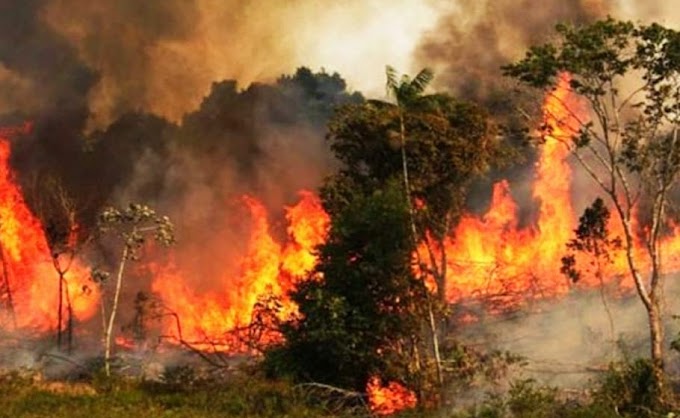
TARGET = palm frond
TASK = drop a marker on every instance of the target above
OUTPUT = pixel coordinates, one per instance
(422, 80)
(392, 84)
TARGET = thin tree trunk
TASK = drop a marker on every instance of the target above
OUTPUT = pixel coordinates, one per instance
(114, 309)
(69, 321)
(656, 345)
(435, 343)
(407, 185)
(8, 288)
(414, 233)
(60, 308)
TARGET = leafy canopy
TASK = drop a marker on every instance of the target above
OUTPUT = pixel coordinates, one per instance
(359, 311)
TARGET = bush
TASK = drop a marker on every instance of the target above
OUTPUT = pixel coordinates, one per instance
(631, 389)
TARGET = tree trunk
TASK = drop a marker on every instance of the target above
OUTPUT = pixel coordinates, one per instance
(114, 309)
(69, 321)
(650, 300)
(7, 286)
(60, 308)
(656, 343)
(435, 343)
(414, 233)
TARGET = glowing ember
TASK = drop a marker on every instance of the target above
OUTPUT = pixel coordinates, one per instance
(28, 282)
(388, 399)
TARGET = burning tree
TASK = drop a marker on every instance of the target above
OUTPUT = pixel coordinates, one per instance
(361, 309)
(58, 212)
(434, 144)
(628, 77)
(131, 225)
(406, 167)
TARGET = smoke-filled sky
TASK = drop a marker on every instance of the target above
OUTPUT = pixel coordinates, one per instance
(162, 56)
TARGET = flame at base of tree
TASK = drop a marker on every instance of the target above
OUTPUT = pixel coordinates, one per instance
(390, 398)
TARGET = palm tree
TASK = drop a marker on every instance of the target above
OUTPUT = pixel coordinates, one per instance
(407, 93)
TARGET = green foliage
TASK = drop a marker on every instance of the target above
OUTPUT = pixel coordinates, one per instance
(526, 399)
(447, 143)
(631, 389)
(237, 397)
(360, 309)
(407, 91)
(592, 237)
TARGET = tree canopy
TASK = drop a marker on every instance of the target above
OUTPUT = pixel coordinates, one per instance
(360, 309)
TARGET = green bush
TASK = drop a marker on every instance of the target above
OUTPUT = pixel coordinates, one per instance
(631, 389)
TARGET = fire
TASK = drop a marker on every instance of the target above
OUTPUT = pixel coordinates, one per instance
(390, 398)
(267, 269)
(28, 282)
(307, 227)
(491, 255)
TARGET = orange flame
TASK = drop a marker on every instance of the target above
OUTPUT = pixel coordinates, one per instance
(28, 282)
(388, 399)
(491, 256)
(267, 269)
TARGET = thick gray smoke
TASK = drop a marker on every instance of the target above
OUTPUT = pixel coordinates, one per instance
(470, 44)
(39, 70)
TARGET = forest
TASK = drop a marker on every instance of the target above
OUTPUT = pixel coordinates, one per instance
(492, 238)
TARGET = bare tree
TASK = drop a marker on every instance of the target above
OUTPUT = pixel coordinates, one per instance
(131, 226)
(58, 212)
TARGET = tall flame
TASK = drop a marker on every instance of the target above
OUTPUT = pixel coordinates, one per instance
(491, 255)
(28, 281)
(267, 269)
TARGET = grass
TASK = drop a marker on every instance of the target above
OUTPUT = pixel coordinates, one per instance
(241, 397)
(623, 392)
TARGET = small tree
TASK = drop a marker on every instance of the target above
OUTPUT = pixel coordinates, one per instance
(131, 226)
(58, 213)
(593, 239)
(361, 310)
(629, 79)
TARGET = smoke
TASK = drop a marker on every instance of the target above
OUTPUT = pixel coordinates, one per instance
(567, 342)
(470, 44)
(180, 106)
(162, 56)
